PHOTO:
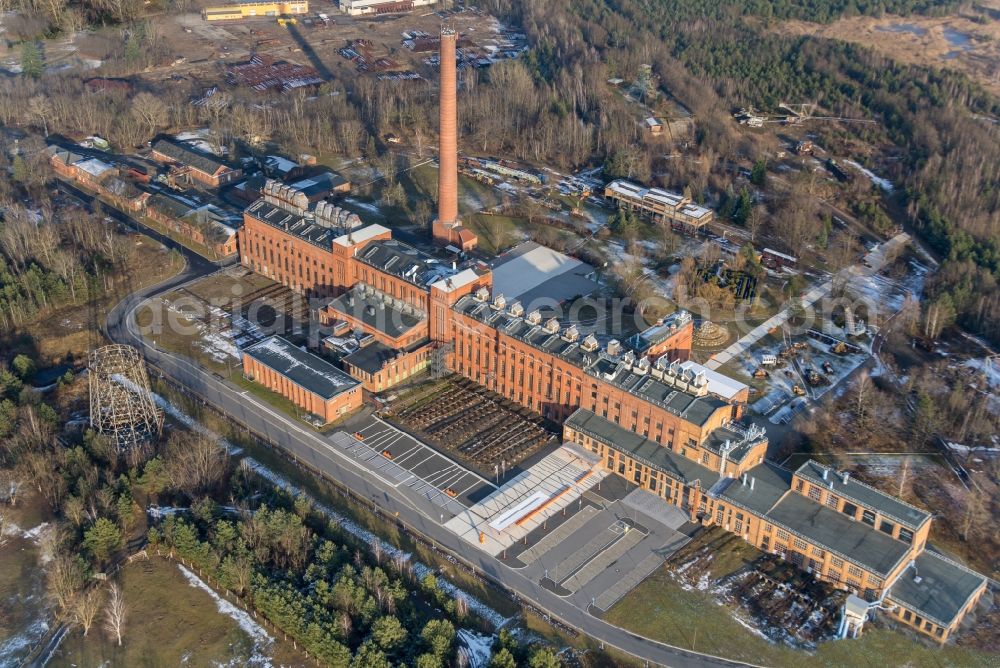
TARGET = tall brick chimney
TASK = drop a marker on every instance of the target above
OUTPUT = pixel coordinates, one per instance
(448, 148)
(447, 229)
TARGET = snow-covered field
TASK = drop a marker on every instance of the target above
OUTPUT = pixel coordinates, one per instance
(885, 294)
(25, 615)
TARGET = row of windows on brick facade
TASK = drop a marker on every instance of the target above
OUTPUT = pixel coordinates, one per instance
(642, 475)
(320, 271)
(919, 622)
(869, 517)
(608, 410)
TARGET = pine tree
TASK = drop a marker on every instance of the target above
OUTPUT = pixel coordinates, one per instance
(31, 60)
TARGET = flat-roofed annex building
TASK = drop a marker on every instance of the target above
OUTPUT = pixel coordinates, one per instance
(309, 381)
(376, 7)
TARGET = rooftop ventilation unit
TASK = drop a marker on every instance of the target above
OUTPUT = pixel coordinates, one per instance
(482, 295)
(629, 358)
(534, 318)
(499, 302)
(515, 309)
(589, 343)
(571, 334)
(552, 326)
(614, 348)
(642, 366)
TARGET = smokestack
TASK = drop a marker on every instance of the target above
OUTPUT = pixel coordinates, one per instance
(448, 147)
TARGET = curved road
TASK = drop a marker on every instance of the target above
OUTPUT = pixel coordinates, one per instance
(308, 446)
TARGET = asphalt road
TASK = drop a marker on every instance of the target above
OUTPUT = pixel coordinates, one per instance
(311, 448)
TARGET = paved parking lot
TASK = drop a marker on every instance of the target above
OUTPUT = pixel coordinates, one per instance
(600, 551)
(591, 547)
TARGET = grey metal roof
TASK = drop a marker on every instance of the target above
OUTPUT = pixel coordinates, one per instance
(370, 358)
(306, 370)
(644, 450)
(770, 483)
(693, 409)
(293, 223)
(861, 494)
(377, 310)
(552, 291)
(186, 155)
(854, 541)
(943, 590)
(169, 206)
(403, 261)
(319, 184)
(531, 271)
(738, 438)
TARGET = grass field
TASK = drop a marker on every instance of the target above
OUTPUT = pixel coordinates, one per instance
(497, 233)
(170, 623)
(660, 609)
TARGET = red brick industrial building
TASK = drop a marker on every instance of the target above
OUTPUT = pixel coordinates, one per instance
(654, 417)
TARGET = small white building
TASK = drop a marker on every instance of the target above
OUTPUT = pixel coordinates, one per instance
(376, 7)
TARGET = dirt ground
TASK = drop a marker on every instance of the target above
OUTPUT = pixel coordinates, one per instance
(956, 42)
(205, 46)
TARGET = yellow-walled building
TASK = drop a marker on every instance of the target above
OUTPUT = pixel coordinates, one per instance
(245, 10)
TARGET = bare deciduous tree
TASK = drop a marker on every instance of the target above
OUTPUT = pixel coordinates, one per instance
(114, 612)
(151, 111)
(65, 577)
(85, 609)
(195, 463)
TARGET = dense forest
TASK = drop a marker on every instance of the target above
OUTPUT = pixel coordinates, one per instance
(715, 57)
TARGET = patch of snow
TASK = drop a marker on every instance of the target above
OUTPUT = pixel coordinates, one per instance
(10, 648)
(261, 638)
(884, 184)
(159, 512)
(475, 648)
(367, 206)
(988, 367)
(32, 534)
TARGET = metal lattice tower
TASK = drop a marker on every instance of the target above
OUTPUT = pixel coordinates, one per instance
(121, 402)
